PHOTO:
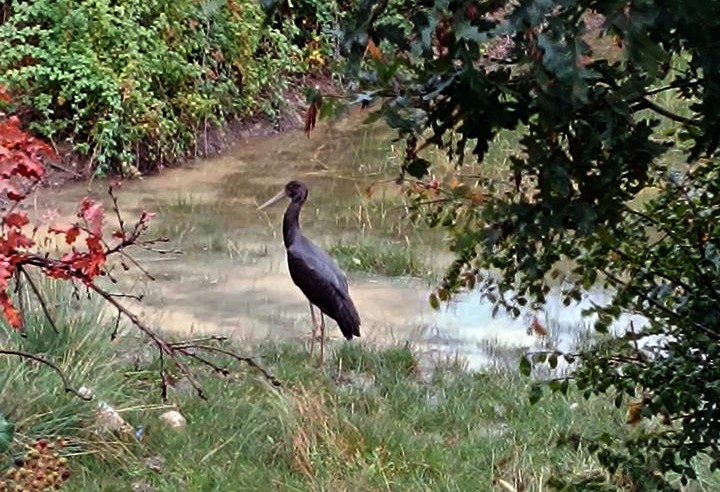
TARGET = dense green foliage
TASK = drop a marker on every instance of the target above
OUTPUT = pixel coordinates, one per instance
(612, 114)
(137, 83)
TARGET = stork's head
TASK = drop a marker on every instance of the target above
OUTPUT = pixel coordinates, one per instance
(294, 190)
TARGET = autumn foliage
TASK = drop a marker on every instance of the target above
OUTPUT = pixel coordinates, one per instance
(21, 165)
(90, 249)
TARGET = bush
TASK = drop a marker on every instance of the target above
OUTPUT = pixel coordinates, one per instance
(592, 133)
(134, 83)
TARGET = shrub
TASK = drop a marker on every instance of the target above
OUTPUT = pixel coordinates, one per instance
(134, 83)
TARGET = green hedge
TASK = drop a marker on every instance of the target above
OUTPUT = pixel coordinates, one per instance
(136, 81)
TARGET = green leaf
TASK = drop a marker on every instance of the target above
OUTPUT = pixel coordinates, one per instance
(525, 366)
(7, 430)
(539, 358)
(464, 30)
(564, 386)
(418, 168)
(536, 392)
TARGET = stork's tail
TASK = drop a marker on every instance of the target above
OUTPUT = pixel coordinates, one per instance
(348, 319)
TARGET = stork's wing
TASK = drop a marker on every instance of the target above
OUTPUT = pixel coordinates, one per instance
(324, 284)
(317, 264)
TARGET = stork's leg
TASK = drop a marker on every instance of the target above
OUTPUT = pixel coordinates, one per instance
(322, 338)
(314, 329)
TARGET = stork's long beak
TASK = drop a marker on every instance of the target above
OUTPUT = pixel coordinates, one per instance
(273, 200)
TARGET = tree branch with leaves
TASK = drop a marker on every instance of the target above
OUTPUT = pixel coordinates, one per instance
(85, 264)
(613, 110)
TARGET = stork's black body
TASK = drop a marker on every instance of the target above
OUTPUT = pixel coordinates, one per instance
(313, 271)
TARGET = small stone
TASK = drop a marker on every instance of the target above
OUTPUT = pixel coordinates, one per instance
(86, 392)
(174, 419)
(141, 486)
(108, 419)
(155, 463)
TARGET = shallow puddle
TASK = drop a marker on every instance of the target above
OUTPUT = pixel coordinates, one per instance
(232, 277)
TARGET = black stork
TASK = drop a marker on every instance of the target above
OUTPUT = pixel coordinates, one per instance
(314, 272)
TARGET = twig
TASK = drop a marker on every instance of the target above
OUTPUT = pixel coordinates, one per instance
(21, 299)
(84, 267)
(116, 208)
(137, 265)
(689, 83)
(114, 333)
(211, 338)
(66, 382)
(646, 103)
(40, 299)
(163, 346)
(64, 169)
(247, 360)
(202, 360)
(136, 297)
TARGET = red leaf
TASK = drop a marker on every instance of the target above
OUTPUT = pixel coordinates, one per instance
(12, 315)
(16, 219)
(15, 196)
(72, 234)
(6, 272)
(17, 240)
(93, 214)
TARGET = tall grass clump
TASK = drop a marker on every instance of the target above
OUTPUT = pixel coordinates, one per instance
(392, 259)
(32, 395)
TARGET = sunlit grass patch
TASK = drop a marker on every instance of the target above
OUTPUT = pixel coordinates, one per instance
(392, 259)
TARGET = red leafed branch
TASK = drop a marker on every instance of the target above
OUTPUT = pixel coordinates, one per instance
(21, 170)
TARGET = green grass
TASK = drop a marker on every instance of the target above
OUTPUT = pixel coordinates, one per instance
(377, 424)
(32, 395)
(373, 419)
(196, 226)
(387, 258)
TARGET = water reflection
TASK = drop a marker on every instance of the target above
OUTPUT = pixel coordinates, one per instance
(468, 327)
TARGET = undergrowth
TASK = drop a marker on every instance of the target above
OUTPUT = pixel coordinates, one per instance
(373, 419)
(137, 84)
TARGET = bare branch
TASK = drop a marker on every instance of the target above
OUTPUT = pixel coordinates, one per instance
(54, 367)
(161, 344)
(189, 343)
(40, 299)
(247, 360)
(137, 265)
(116, 208)
(114, 333)
(645, 103)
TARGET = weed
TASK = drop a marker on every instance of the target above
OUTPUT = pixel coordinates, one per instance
(388, 258)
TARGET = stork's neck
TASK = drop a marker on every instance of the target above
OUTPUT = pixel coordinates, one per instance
(291, 223)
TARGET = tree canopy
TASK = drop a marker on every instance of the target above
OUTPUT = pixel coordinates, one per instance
(612, 181)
